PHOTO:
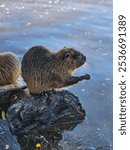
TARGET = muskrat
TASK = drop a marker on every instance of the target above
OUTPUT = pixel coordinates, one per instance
(43, 70)
(9, 68)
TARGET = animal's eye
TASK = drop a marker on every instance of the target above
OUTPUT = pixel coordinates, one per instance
(67, 55)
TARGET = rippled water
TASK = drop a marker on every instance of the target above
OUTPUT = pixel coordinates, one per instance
(85, 25)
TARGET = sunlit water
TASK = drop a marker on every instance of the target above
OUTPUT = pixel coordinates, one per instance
(84, 25)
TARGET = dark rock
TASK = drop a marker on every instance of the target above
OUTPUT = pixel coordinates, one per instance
(7, 140)
(37, 121)
(7, 91)
(43, 118)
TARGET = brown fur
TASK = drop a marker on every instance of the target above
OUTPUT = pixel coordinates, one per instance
(9, 68)
(43, 70)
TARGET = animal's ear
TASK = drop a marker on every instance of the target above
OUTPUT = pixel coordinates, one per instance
(67, 55)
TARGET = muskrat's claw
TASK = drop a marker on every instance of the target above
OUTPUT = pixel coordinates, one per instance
(87, 77)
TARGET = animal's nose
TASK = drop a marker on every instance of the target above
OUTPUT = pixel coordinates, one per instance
(82, 57)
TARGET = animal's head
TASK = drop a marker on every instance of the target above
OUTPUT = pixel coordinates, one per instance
(70, 58)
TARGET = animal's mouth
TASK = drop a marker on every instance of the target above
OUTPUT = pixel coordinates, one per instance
(83, 66)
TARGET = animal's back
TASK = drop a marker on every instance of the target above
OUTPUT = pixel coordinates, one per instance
(33, 64)
(37, 55)
(9, 68)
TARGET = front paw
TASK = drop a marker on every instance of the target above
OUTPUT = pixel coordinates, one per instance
(87, 77)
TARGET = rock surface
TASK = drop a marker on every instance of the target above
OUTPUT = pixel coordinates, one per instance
(42, 119)
(7, 91)
(38, 121)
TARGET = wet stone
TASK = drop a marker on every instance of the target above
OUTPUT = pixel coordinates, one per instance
(7, 91)
(39, 120)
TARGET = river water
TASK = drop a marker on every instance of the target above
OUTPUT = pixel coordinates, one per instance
(85, 25)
